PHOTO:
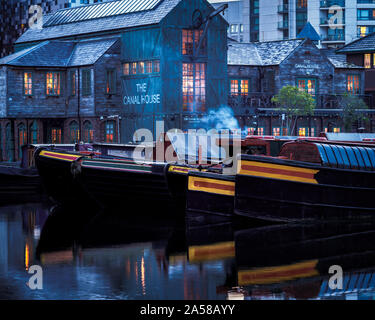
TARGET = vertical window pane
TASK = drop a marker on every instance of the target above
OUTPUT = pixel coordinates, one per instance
(28, 83)
(244, 87)
(367, 62)
(53, 83)
(126, 69)
(234, 87)
(148, 66)
(156, 66)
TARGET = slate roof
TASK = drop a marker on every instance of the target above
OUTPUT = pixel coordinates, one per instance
(275, 52)
(364, 44)
(107, 23)
(56, 53)
(261, 53)
(309, 32)
(339, 60)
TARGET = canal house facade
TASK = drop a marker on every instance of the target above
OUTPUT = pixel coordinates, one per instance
(257, 71)
(103, 71)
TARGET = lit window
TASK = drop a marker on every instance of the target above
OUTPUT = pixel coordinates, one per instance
(194, 87)
(336, 130)
(261, 131)
(307, 85)
(302, 132)
(190, 41)
(276, 131)
(353, 84)
(88, 132)
(148, 66)
(55, 135)
(234, 87)
(110, 132)
(28, 83)
(111, 82)
(156, 66)
(367, 62)
(53, 83)
(22, 138)
(239, 87)
(134, 68)
(126, 69)
(74, 132)
(244, 87)
(141, 67)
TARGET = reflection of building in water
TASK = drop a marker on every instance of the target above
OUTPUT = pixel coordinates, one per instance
(19, 230)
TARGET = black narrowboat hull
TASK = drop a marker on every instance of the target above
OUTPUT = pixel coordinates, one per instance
(286, 190)
(127, 185)
(19, 185)
(210, 193)
(55, 170)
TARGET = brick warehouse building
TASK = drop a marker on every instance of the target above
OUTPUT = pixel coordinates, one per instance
(148, 69)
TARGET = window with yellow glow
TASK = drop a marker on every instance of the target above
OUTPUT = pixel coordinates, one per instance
(74, 132)
(302, 132)
(134, 68)
(367, 60)
(308, 85)
(234, 87)
(148, 66)
(27, 83)
(353, 84)
(190, 42)
(276, 131)
(56, 135)
(88, 132)
(156, 66)
(194, 87)
(53, 83)
(239, 86)
(126, 69)
(336, 130)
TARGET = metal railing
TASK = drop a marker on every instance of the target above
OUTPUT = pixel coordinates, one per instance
(264, 100)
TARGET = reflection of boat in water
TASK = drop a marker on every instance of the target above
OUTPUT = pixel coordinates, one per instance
(308, 181)
(289, 258)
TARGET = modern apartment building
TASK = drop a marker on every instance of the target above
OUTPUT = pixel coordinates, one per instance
(338, 22)
(14, 17)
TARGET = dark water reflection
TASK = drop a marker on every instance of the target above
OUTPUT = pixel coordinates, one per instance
(110, 256)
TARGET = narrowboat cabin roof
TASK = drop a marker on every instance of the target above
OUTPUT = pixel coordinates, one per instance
(350, 156)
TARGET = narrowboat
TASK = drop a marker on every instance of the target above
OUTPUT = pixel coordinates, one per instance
(210, 193)
(293, 256)
(308, 181)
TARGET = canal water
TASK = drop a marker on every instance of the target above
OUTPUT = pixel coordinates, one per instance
(125, 255)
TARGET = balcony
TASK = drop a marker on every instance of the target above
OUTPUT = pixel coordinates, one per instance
(283, 25)
(326, 4)
(283, 8)
(334, 38)
(326, 22)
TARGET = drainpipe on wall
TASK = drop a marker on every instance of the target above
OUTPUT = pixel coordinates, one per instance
(79, 106)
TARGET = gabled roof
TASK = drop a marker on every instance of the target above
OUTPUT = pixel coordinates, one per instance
(339, 60)
(275, 52)
(57, 53)
(94, 19)
(261, 53)
(364, 44)
(309, 32)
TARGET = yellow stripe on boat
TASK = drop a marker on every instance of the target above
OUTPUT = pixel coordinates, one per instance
(211, 185)
(278, 274)
(276, 171)
(184, 170)
(59, 156)
(215, 251)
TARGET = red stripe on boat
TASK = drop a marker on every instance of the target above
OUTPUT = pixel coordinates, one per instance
(278, 171)
(204, 184)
